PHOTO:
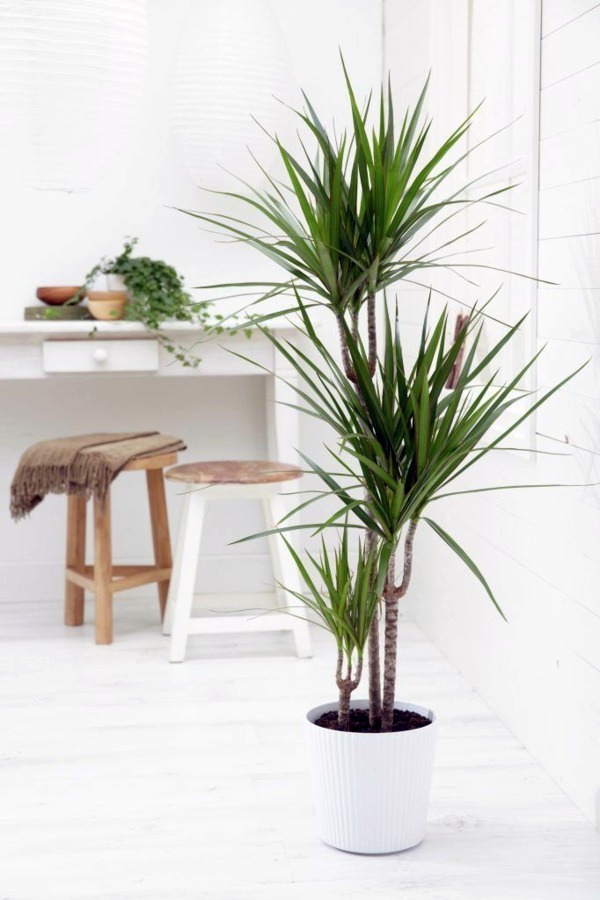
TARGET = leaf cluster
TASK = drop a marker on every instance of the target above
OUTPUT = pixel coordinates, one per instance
(343, 599)
(403, 437)
(344, 222)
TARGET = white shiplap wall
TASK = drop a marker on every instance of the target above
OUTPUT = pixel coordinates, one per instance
(539, 549)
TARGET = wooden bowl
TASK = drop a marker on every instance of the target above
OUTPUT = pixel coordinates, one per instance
(107, 305)
(56, 296)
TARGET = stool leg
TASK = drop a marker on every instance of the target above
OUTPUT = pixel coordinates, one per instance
(103, 571)
(181, 595)
(286, 573)
(160, 530)
(167, 625)
(74, 595)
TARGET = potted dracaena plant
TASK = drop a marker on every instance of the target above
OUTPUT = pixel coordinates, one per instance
(343, 226)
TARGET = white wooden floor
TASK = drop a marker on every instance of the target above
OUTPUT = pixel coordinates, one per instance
(122, 776)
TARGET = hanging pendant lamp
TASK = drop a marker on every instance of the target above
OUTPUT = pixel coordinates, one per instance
(230, 65)
(71, 80)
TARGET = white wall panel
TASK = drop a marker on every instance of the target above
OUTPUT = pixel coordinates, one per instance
(570, 209)
(571, 49)
(575, 417)
(571, 262)
(570, 156)
(568, 355)
(569, 315)
(558, 13)
(570, 103)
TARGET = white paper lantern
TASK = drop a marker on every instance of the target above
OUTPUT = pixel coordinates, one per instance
(71, 79)
(230, 65)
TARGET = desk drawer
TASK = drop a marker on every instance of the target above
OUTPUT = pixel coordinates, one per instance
(100, 356)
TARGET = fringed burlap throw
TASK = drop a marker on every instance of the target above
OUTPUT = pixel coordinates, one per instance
(85, 465)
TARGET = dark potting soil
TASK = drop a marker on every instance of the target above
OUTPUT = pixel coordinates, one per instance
(404, 720)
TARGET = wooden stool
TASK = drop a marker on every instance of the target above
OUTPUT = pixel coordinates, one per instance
(232, 480)
(103, 579)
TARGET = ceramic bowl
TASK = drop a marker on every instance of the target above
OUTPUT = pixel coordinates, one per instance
(107, 305)
(56, 296)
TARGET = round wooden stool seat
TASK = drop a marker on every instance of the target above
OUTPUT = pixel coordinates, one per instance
(242, 471)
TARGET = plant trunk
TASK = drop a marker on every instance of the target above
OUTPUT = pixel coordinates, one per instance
(344, 706)
(371, 337)
(346, 685)
(372, 332)
(373, 645)
(373, 642)
(355, 324)
(374, 675)
(392, 596)
(346, 359)
(374, 660)
(391, 646)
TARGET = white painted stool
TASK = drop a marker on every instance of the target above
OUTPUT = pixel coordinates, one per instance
(230, 480)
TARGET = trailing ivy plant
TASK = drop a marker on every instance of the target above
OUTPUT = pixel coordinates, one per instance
(348, 221)
(156, 296)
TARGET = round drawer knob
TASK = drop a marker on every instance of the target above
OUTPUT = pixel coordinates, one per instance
(100, 355)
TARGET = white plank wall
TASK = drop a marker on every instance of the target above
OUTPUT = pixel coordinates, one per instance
(540, 549)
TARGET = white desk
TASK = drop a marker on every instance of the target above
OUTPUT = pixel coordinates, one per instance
(22, 356)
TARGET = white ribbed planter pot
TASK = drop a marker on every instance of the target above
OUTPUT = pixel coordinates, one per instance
(371, 790)
(115, 282)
